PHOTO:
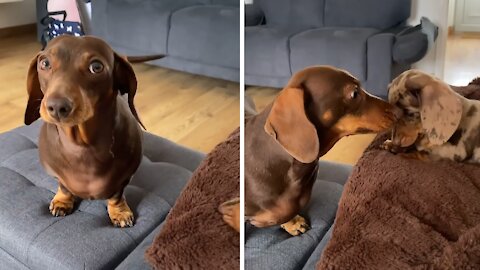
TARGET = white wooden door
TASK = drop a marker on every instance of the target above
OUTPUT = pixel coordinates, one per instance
(467, 15)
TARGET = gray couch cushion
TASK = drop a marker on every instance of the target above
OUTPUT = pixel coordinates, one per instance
(207, 45)
(9, 262)
(317, 253)
(315, 47)
(273, 248)
(380, 14)
(194, 35)
(144, 24)
(267, 51)
(136, 259)
(301, 13)
(84, 239)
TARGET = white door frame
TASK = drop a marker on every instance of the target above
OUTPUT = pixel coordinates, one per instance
(460, 16)
(437, 12)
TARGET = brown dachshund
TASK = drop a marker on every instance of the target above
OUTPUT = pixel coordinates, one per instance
(90, 141)
(437, 122)
(283, 143)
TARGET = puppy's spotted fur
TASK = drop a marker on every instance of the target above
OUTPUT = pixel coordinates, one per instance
(436, 120)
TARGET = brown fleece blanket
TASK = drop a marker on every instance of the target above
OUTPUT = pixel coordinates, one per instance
(194, 235)
(398, 213)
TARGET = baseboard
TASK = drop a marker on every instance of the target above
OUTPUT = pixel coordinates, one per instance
(18, 30)
(451, 30)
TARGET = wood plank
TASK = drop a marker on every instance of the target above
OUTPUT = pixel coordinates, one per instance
(17, 30)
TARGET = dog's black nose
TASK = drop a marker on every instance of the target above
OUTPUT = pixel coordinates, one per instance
(59, 108)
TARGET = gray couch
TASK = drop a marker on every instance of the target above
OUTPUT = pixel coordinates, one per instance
(369, 38)
(198, 36)
(31, 238)
(273, 248)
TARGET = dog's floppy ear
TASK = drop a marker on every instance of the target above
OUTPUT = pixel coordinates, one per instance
(440, 108)
(124, 80)
(35, 94)
(289, 125)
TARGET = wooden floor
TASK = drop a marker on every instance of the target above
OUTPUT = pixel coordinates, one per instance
(463, 54)
(461, 66)
(195, 111)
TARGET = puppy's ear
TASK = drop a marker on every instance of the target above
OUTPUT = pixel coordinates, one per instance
(440, 108)
(289, 125)
(124, 80)
(35, 94)
(416, 79)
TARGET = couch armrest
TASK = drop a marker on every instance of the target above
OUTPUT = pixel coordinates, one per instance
(253, 15)
(412, 43)
(410, 47)
(379, 62)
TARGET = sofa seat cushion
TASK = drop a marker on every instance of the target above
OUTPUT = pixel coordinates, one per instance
(267, 51)
(84, 239)
(136, 259)
(344, 48)
(207, 34)
(273, 248)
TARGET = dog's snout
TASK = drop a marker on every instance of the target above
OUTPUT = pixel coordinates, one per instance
(59, 108)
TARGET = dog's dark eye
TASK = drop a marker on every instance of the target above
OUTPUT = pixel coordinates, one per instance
(95, 67)
(45, 64)
(354, 94)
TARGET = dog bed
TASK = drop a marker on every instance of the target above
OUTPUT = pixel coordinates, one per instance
(194, 235)
(399, 213)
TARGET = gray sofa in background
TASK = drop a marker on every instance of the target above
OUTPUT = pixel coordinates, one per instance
(369, 38)
(31, 238)
(198, 36)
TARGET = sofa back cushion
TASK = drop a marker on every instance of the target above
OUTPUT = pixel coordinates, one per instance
(234, 3)
(304, 13)
(379, 14)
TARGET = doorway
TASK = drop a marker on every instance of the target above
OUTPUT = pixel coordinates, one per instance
(463, 42)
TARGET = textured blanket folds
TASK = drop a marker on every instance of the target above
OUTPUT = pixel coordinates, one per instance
(399, 213)
(194, 235)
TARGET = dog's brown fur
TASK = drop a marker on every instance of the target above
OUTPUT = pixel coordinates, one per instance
(316, 108)
(91, 142)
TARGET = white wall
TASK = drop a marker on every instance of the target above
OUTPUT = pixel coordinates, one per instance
(451, 12)
(17, 13)
(437, 12)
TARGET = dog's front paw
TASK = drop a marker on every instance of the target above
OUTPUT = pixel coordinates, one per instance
(121, 215)
(296, 226)
(231, 213)
(60, 207)
(121, 219)
(387, 145)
